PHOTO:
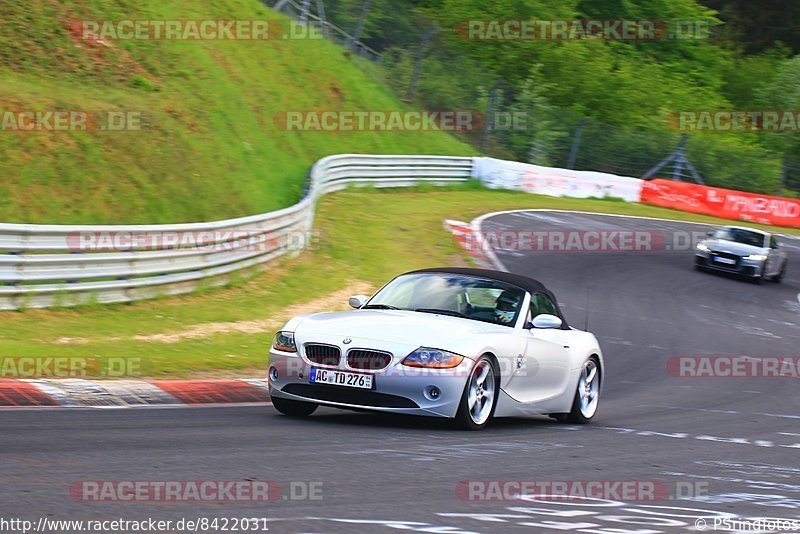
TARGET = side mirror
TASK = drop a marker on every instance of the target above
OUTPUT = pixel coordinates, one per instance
(776, 244)
(710, 234)
(545, 320)
(356, 301)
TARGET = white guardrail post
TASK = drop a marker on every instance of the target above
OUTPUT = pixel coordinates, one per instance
(62, 265)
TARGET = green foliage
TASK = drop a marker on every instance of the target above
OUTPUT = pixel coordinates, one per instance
(746, 78)
(625, 90)
(211, 147)
(753, 27)
(782, 91)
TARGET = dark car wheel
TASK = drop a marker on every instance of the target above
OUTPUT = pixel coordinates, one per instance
(587, 395)
(293, 408)
(480, 396)
(779, 277)
(758, 279)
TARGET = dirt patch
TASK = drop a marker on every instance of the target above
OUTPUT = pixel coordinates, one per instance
(332, 302)
(71, 341)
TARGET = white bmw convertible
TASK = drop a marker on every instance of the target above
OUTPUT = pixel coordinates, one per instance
(466, 344)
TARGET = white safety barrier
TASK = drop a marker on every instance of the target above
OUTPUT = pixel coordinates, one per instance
(62, 265)
(501, 174)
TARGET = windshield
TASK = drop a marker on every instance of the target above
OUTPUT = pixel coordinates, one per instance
(738, 235)
(469, 297)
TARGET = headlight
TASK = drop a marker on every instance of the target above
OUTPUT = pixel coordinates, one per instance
(426, 357)
(284, 341)
(702, 247)
(756, 257)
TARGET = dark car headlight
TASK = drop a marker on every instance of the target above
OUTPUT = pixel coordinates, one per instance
(435, 358)
(284, 341)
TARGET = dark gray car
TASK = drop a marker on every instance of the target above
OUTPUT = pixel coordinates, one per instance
(743, 251)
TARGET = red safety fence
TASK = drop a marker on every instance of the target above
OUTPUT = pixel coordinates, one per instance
(723, 203)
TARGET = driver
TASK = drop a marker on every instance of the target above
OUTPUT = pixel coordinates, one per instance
(506, 307)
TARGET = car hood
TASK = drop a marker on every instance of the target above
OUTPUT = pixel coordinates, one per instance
(732, 247)
(394, 326)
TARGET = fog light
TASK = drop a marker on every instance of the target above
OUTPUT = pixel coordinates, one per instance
(273, 373)
(433, 393)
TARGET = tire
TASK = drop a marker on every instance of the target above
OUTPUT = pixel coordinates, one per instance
(293, 408)
(479, 399)
(759, 279)
(584, 407)
(778, 278)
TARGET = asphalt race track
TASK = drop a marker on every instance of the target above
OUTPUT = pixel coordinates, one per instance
(734, 442)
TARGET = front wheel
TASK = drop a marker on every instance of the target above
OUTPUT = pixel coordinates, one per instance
(293, 408)
(758, 279)
(480, 396)
(587, 395)
(779, 277)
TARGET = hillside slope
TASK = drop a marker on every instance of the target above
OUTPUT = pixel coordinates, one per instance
(210, 147)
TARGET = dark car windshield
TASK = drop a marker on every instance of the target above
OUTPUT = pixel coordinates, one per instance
(739, 235)
(469, 297)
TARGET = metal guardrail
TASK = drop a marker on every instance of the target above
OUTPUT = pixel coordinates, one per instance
(59, 265)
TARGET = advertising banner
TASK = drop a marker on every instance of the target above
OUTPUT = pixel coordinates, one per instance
(723, 203)
(500, 174)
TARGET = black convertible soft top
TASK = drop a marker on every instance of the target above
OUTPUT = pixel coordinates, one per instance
(523, 282)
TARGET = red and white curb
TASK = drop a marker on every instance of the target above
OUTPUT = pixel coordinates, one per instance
(74, 392)
(468, 237)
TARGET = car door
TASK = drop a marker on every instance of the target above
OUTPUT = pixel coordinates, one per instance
(542, 371)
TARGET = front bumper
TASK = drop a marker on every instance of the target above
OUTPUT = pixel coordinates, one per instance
(396, 389)
(742, 267)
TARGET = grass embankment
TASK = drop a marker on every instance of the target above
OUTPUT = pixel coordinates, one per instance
(365, 238)
(209, 148)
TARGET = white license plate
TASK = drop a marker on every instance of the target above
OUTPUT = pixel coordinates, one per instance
(725, 260)
(340, 378)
